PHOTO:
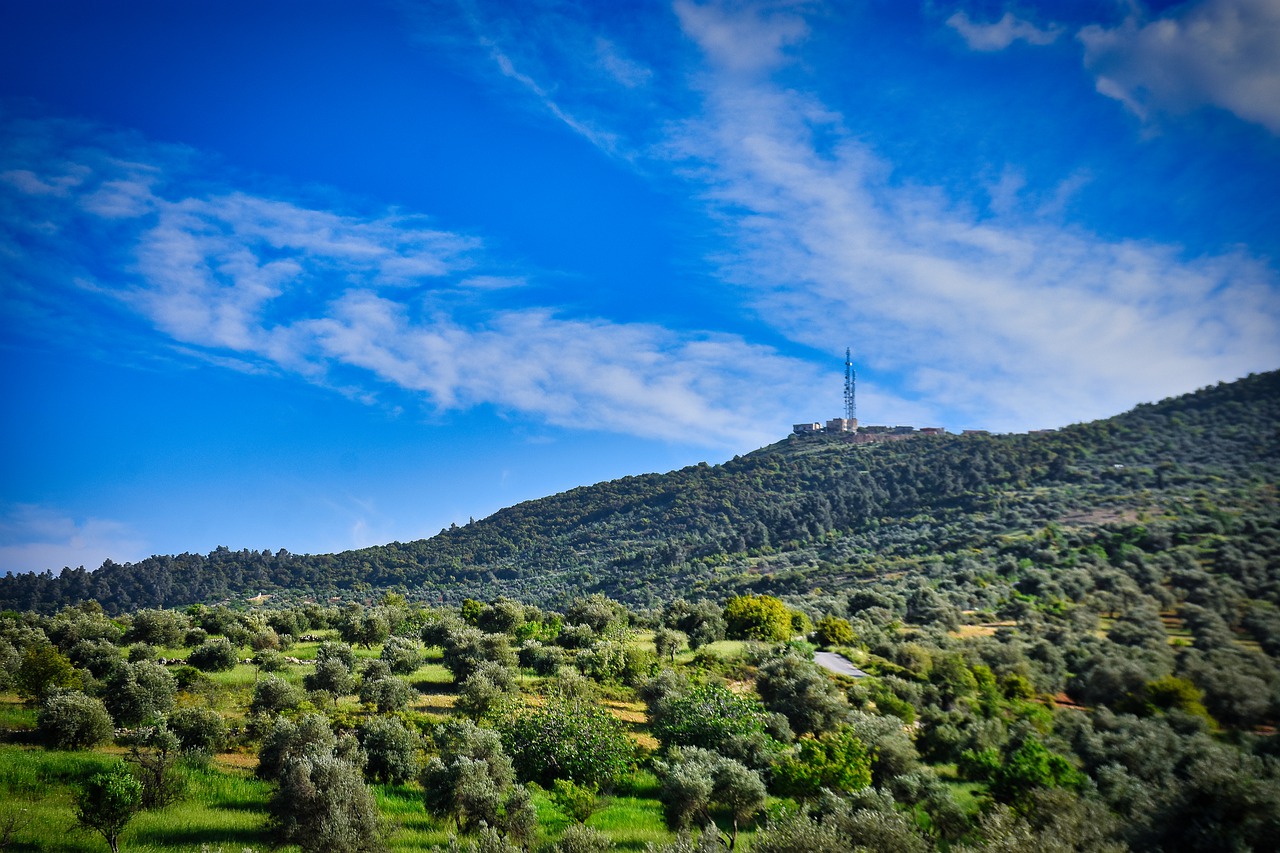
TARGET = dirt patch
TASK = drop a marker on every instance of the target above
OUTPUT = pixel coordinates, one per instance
(986, 629)
(1106, 515)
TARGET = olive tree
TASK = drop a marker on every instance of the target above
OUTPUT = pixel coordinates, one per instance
(323, 805)
(391, 750)
(69, 719)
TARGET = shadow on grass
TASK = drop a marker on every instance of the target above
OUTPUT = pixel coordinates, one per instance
(434, 688)
(240, 837)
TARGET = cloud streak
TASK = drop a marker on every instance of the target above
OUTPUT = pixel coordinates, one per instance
(35, 538)
(1002, 33)
(369, 303)
(1010, 321)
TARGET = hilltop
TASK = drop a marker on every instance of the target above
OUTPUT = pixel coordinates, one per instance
(805, 513)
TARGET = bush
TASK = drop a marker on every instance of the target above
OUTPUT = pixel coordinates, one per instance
(576, 801)
(757, 617)
(402, 655)
(838, 762)
(69, 719)
(581, 743)
(139, 692)
(582, 839)
(107, 803)
(198, 729)
(286, 740)
(387, 695)
(272, 694)
(216, 655)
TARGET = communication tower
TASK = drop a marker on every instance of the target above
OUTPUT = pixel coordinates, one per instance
(850, 380)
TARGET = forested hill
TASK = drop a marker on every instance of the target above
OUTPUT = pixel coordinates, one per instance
(805, 513)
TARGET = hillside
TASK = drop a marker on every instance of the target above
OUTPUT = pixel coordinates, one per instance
(805, 513)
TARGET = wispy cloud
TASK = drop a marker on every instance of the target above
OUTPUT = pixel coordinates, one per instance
(1002, 33)
(369, 302)
(35, 538)
(1222, 53)
(1008, 320)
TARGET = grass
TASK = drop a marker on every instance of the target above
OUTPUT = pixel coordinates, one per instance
(16, 714)
(221, 808)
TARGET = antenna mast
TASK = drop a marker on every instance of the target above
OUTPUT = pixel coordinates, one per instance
(850, 379)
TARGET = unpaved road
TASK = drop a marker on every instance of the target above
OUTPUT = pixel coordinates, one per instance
(839, 665)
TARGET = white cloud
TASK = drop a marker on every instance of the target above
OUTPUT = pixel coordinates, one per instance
(1222, 53)
(363, 303)
(742, 37)
(34, 538)
(1011, 322)
(1001, 34)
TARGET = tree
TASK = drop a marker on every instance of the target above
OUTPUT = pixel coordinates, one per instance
(198, 729)
(107, 802)
(471, 780)
(331, 676)
(802, 692)
(386, 694)
(486, 689)
(154, 751)
(836, 762)
(139, 692)
(579, 742)
(702, 623)
(272, 694)
(43, 669)
(834, 631)
(69, 719)
(157, 628)
(286, 740)
(402, 655)
(694, 780)
(710, 717)
(363, 627)
(323, 805)
(216, 655)
(667, 642)
(466, 648)
(757, 617)
(601, 614)
(391, 750)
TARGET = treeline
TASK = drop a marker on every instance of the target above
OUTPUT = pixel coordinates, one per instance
(805, 512)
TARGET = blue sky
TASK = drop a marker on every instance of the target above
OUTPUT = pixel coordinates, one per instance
(320, 275)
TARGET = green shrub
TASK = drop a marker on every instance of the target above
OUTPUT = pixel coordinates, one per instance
(216, 655)
(198, 729)
(581, 743)
(71, 720)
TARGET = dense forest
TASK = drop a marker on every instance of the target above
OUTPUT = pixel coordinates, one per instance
(805, 512)
(1066, 641)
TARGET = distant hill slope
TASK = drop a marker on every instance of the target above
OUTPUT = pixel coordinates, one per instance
(806, 512)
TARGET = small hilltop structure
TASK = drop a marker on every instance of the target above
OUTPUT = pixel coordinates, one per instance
(849, 426)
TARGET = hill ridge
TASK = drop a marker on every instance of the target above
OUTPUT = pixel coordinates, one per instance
(807, 509)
